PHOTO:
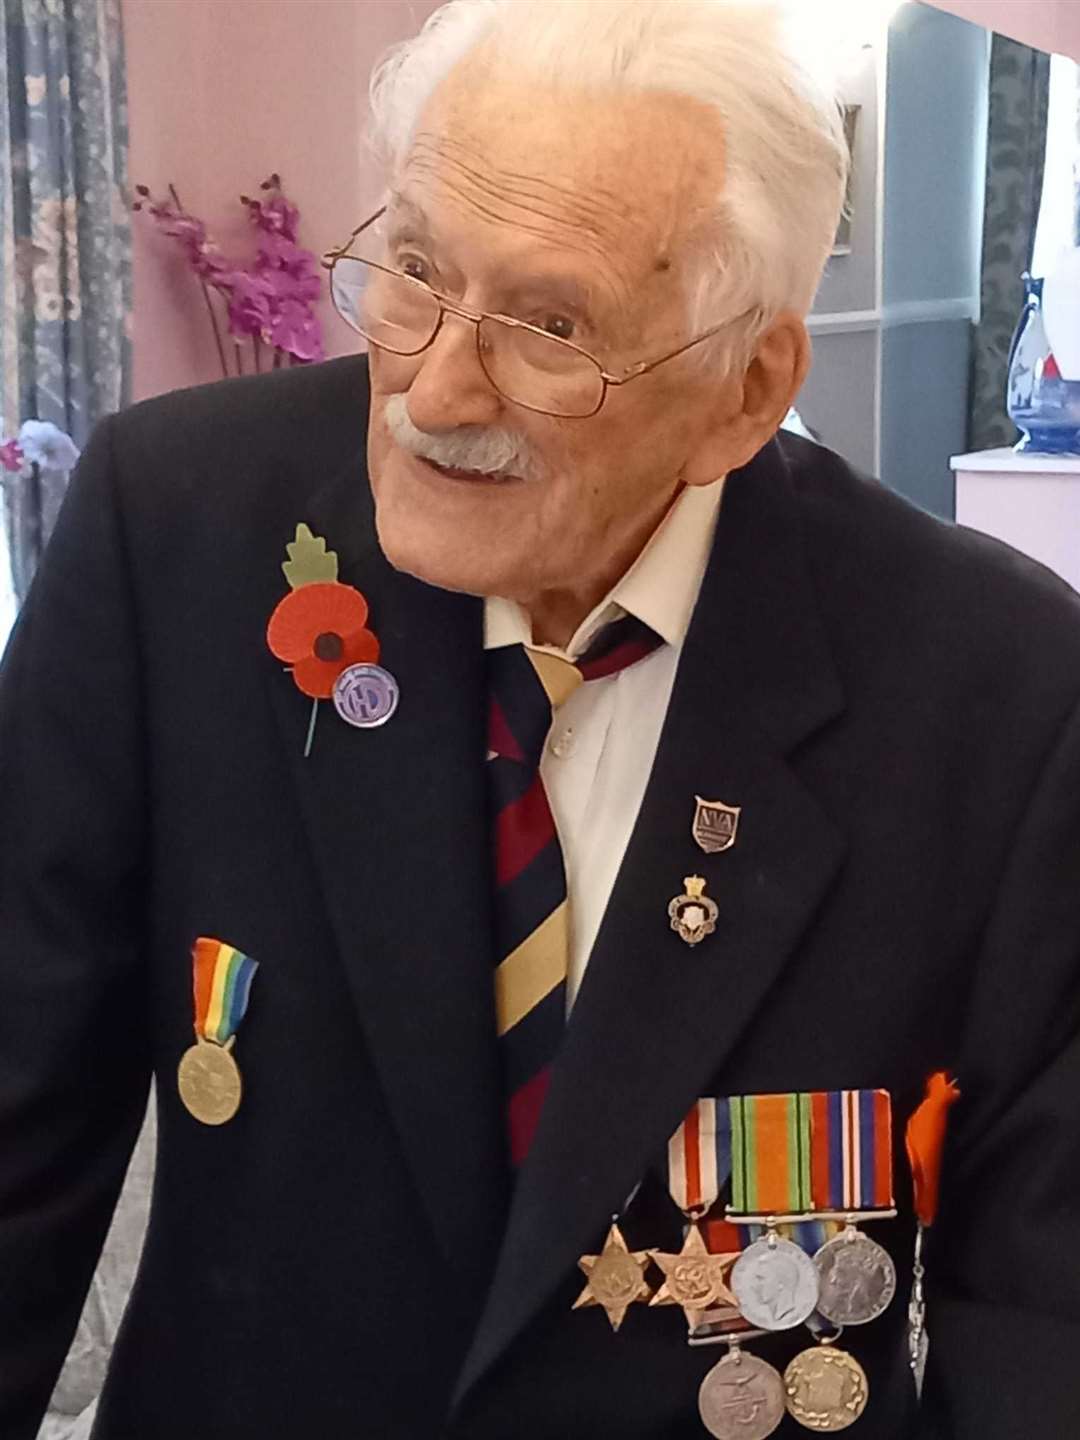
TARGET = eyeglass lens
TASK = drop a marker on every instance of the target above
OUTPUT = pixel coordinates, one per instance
(401, 315)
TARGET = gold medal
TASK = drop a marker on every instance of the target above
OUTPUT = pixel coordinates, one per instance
(825, 1389)
(616, 1278)
(208, 1078)
(209, 1082)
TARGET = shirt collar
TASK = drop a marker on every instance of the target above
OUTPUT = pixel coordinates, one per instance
(660, 588)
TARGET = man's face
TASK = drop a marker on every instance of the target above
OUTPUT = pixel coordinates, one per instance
(575, 215)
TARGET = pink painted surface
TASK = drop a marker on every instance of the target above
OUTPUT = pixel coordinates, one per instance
(222, 92)
(1047, 24)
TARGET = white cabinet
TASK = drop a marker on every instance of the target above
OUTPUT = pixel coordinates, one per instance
(1030, 501)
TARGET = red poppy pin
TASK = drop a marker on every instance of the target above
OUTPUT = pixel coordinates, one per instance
(320, 631)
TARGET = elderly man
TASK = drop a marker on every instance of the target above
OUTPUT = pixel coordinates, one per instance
(595, 805)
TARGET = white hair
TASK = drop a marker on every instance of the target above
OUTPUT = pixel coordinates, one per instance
(786, 159)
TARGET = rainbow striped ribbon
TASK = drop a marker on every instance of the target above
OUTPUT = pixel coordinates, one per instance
(223, 977)
(851, 1152)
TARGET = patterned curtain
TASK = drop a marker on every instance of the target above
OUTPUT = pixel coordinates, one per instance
(1016, 151)
(65, 254)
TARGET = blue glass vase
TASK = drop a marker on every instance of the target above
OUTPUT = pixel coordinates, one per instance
(1040, 403)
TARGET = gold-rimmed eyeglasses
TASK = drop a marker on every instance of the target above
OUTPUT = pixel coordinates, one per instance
(528, 366)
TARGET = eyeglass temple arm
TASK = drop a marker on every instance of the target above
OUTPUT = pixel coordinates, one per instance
(331, 255)
(646, 365)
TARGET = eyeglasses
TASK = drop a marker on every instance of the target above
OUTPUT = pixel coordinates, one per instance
(527, 366)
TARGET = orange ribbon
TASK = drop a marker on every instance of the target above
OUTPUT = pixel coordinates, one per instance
(925, 1139)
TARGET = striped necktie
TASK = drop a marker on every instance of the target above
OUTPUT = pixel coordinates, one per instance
(531, 922)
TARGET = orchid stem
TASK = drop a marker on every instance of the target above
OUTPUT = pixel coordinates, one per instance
(214, 326)
(206, 297)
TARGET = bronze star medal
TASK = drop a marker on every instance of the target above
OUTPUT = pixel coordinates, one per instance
(693, 1279)
(615, 1278)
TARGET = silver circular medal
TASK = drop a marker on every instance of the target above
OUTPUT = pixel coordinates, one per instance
(366, 696)
(775, 1283)
(857, 1279)
(742, 1398)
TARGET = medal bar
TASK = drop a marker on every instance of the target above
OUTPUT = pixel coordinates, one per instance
(845, 1217)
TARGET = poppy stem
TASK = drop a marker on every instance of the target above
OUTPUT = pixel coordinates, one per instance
(311, 727)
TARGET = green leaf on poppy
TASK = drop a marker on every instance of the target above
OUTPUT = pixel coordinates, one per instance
(309, 561)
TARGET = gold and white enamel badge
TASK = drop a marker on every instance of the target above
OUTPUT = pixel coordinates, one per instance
(693, 913)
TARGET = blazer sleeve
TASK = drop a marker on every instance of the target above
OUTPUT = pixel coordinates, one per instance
(1004, 1258)
(74, 1054)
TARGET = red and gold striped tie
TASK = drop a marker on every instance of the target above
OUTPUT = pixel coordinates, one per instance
(531, 922)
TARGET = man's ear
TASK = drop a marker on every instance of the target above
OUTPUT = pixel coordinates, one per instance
(751, 409)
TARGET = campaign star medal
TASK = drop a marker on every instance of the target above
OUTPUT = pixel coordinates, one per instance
(693, 913)
(697, 1169)
(693, 1279)
(715, 825)
(208, 1076)
(615, 1279)
(320, 631)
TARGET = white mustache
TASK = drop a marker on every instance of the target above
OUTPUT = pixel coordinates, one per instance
(490, 451)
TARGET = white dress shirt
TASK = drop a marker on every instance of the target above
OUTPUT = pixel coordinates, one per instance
(603, 740)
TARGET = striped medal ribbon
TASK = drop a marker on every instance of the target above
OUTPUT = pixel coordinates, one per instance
(770, 1162)
(828, 1154)
(208, 1077)
(851, 1150)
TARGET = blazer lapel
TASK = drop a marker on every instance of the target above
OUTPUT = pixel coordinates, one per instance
(655, 1020)
(397, 820)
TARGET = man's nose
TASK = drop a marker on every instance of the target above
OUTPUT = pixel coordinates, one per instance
(450, 387)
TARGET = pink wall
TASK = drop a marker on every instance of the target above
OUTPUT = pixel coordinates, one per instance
(222, 92)
(1046, 24)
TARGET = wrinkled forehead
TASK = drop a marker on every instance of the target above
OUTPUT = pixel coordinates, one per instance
(622, 181)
